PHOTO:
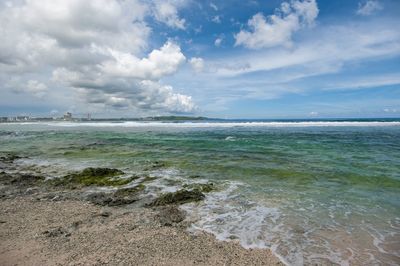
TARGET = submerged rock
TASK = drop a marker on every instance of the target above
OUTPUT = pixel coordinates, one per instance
(179, 197)
(156, 165)
(205, 188)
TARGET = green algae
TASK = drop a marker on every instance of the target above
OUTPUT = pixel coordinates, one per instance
(179, 197)
(94, 177)
(204, 188)
(125, 192)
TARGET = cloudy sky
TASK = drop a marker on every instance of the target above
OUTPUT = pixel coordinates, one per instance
(219, 58)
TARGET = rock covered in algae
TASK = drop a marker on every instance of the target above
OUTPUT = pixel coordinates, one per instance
(94, 176)
(20, 179)
(205, 188)
(120, 197)
(179, 197)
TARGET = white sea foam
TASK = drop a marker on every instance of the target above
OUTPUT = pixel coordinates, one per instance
(137, 124)
(229, 216)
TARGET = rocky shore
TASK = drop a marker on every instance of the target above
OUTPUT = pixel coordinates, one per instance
(73, 221)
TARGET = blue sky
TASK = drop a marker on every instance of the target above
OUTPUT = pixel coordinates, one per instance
(229, 59)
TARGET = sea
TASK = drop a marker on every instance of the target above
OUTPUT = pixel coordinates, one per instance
(312, 191)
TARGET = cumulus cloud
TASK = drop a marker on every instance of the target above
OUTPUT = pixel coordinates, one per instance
(98, 55)
(218, 41)
(32, 87)
(159, 63)
(369, 7)
(167, 13)
(197, 64)
(277, 29)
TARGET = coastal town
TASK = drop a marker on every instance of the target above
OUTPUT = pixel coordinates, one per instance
(88, 117)
(26, 118)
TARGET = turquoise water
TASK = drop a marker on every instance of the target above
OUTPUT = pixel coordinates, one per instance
(312, 192)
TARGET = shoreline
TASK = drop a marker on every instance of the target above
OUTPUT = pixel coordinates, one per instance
(43, 224)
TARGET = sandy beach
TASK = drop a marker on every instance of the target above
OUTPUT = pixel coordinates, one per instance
(46, 225)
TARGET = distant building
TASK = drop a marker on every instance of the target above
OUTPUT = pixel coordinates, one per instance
(3, 119)
(67, 116)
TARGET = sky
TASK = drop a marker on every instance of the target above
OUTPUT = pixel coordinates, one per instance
(218, 58)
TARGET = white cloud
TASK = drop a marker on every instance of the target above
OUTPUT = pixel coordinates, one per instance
(316, 63)
(370, 81)
(197, 64)
(218, 41)
(166, 11)
(369, 7)
(390, 110)
(98, 55)
(213, 6)
(216, 19)
(32, 87)
(158, 63)
(277, 29)
(334, 46)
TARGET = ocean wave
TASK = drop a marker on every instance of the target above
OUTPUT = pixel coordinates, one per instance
(136, 124)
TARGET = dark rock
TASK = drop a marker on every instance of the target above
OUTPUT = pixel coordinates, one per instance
(156, 165)
(25, 180)
(125, 192)
(55, 232)
(149, 179)
(107, 199)
(105, 214)
(93, 176)
(178, 197)
(6, 178)
(100, 198)
(122, 201)
(75, 225)
(205, 188)
(9, 157)
(169, 215)
(100, 172)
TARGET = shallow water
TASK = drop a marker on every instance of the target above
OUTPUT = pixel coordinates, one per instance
(313, 192)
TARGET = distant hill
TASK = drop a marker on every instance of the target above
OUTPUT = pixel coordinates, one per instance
(174, 118)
